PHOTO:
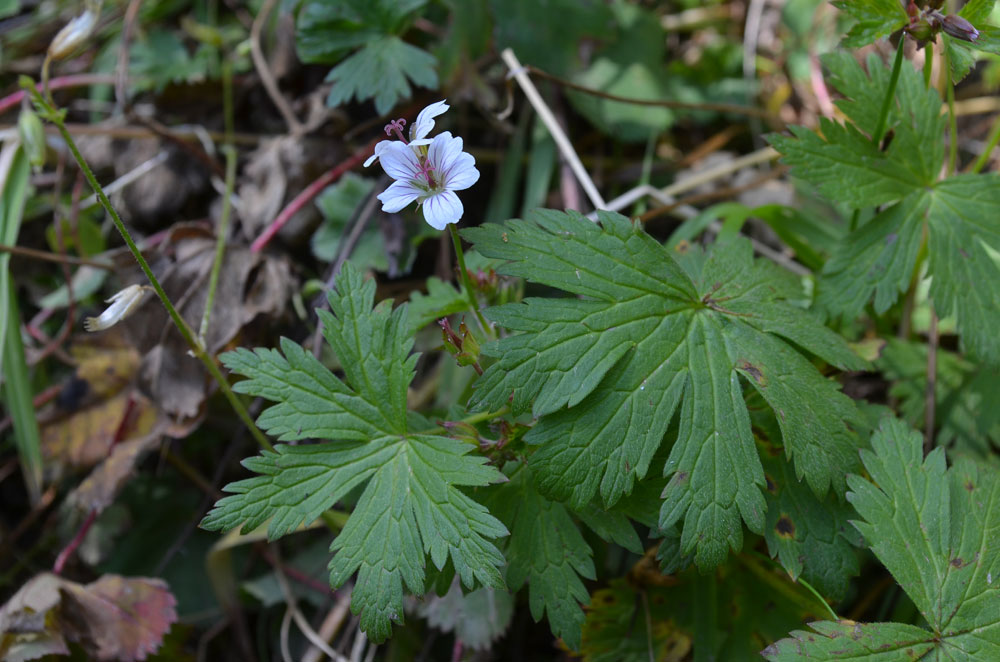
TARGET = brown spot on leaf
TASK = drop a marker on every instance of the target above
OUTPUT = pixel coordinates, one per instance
(963, 253)
(752, 371)
(785, 527)
(771, 487)
(969, 486)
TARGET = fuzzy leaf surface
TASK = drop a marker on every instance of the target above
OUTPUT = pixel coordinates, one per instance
(411, 506)
(958, 217)
(649, 339)
(935, 529)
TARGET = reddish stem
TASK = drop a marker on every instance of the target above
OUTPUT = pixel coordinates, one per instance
(74, 80)
(311, 192)
(77, 540)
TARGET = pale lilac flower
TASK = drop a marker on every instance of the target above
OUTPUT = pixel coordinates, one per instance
(431, 180)
(427, 171)
(418, 132)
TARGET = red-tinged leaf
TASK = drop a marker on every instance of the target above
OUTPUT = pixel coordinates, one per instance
(113, 618)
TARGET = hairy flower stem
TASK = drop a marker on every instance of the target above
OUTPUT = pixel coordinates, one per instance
(883, 114)
(928, 63)
(952, 118)
(467, 282)
(54, 116)
(890, 94)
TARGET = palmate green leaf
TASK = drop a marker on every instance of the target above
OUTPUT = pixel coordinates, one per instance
(957, 216)
(843, 163)
(383, 69)
(326, 30)
(875, 19)
(411, 506)
(606, 373)
(546, 550)
(936, 530)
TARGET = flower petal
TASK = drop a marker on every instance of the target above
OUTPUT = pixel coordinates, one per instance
(456, 170)
(443, 151)
(399, 161)
(379, 149)
(398, 195)
(425, 120)
(462, 174)
(441, 209)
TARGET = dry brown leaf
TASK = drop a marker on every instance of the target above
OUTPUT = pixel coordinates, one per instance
(113, 618)
(249, 284)
(83, 438)
(98, 490)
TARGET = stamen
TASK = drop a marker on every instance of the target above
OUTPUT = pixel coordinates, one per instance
(427, 172)
(397, 127)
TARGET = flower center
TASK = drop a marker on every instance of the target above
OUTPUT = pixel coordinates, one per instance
(427, 172)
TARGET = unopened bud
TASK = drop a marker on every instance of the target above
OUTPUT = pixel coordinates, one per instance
(73, 34)
(959, 28)
(465, 432)
(32, 137)
(123, 304)
(921, 30)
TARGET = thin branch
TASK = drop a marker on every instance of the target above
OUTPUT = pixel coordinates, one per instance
(678, 105)
(54, 257)
(121, 69)
(260, 63)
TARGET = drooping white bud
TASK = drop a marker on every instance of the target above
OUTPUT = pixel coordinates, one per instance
(74, 33)
(122, 305)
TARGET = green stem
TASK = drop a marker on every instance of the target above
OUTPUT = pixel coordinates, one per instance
(467, 282)
(952, 119)
(52, 115)
(779, 584)
(473, 419)
(928, 63)
(890, 94)
(223, 230)
(990, 145)
(220, 240)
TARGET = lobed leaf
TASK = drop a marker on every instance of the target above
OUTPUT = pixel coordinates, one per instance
(607, 373)
(411, 506)
(935, 529)
(546, 550)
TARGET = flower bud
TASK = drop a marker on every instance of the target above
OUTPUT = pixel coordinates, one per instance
(32, 137)
(123, 304)
(959, 28)
(921, 30)
(73, 34)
